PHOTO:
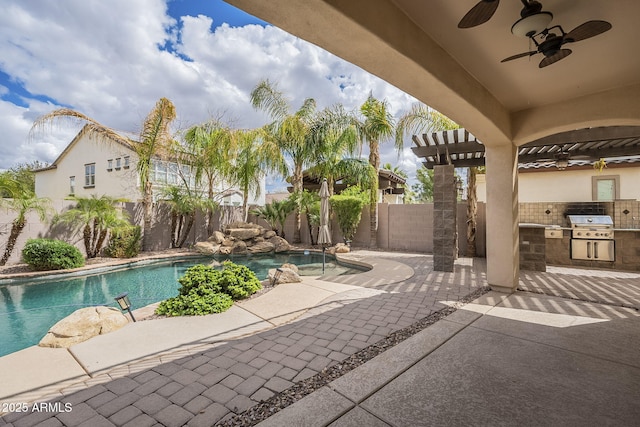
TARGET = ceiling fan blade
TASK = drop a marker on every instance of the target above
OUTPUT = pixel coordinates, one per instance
(562, 53)
(479, 14)
(586, 30)
(520, 55)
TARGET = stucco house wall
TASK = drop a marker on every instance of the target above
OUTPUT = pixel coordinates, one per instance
(54, 182)
(551, 185)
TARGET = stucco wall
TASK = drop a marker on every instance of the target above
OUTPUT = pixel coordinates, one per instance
(568, 185)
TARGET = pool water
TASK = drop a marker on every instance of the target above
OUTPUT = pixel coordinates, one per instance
(28, 308)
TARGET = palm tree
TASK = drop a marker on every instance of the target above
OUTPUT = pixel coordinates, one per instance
(422, 119)
(22, 202)
(208, 149)
(184, 205)
(154, 140)
(251, 159)
(307, 202)
(289, 131)
(96, 216)
(378, 125)
(334, 136)
(275, 214)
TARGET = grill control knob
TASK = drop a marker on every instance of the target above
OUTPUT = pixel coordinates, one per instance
(588, 234)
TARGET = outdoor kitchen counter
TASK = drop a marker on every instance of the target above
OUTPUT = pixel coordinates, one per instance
(627, 250)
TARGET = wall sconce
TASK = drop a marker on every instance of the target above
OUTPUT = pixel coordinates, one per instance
(125, 304)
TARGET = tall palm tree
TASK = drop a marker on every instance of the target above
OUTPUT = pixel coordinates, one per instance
(377, 126)
(252, 158)
(422, 119)
(154, 140)
(289, 130)
(23, 202)
(208, 149)
(96, 216)
(184, 205)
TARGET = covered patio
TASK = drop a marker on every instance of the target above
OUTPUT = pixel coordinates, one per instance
(418, 47)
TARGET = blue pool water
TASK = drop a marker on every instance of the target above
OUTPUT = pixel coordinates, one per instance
(28, 308)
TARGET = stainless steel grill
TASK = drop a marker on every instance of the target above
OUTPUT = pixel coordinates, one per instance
(592, 237)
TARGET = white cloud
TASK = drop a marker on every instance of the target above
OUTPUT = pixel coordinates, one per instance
(104, 59)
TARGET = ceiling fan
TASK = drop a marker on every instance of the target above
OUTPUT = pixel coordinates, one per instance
(533, 24)
(561, 159)
(550, 44)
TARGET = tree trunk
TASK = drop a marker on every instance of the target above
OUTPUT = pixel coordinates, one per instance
(190, 220)
(310, 229)
(374, 160)
(16, 229)
(147, 206)
(86, 238)
(296, 181)
(210, 229)
(101, 237)
(174, 229)
(472, 213)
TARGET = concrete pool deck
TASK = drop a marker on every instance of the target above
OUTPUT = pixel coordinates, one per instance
(536, 357)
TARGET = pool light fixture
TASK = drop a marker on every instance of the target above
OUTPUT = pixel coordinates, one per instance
(125, 304)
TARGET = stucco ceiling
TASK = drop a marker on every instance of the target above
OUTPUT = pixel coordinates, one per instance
(597, 64)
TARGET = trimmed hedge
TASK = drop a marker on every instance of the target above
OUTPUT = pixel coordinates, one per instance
(47, 254)
(205, 290)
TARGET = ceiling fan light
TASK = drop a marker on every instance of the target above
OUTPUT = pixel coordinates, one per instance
(562, 164)
(531, 25)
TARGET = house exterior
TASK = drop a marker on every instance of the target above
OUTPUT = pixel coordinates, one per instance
(93, 165)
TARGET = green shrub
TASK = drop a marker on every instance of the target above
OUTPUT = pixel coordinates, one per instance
(196, 303)
(47, 254)
(238, 281)
(124, 243)
(348, 210)
(205, 290)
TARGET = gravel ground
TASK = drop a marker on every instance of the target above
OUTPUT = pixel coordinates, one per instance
(264, 410)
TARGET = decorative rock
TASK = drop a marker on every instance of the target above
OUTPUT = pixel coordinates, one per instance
(341, 248)
(225, 250)
(207, 248)
(261, 248)
(244, 233)
(240, 224)
(287, 276)
(217, 237)
(258, 240)
(239, 247)
(83, 324)
(290, 266)
(228, 242)
(281, 245)
(269, 234)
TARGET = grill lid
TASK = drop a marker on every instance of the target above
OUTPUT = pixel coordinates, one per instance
(590, 220)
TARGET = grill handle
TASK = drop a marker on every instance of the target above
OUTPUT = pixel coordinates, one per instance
(589, 250)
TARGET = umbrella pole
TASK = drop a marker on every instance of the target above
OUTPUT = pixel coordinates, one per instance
(323, 249)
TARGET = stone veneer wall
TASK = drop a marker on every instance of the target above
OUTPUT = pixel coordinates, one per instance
(532, 249)
(445, 232)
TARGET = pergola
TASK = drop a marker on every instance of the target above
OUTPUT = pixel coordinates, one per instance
(418, 47)
(461, 149)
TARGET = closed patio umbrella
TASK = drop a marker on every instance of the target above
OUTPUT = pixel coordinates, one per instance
(324, 237)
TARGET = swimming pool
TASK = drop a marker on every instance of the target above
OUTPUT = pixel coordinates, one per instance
(29, 307)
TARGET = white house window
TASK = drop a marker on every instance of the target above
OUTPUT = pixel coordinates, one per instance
(126, 162)
(118, 163)
(72, 185)
(90, 175)
(605, 188)
(109, 164)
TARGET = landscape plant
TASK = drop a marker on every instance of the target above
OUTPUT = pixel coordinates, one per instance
(48, 254)
(205, 290)
(96, 217)
(348, 209)
(124, 242)
(23, 202)
(275, 214)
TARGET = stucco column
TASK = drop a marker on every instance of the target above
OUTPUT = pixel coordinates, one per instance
(503, 251)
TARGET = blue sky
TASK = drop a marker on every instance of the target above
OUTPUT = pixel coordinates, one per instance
(113, 60)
